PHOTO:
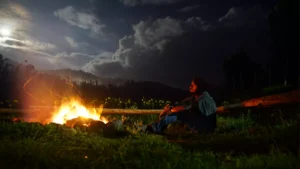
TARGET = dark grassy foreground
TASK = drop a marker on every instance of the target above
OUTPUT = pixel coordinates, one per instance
(238, 143)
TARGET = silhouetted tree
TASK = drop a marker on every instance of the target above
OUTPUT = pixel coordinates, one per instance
(284, 29)
(241, 72)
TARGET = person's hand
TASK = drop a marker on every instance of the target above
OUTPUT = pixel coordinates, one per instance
(167, 108)
(165, 111)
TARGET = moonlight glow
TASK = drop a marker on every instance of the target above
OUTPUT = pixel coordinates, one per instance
(5, 32)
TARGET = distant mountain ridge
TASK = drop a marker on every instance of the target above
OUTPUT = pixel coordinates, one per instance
(82, 76)
(126, 86)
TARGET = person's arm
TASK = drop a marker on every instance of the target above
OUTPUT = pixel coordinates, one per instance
(184, 105)
(177, 109)
(181, 108)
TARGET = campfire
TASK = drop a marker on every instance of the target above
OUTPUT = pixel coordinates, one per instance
(73, 112)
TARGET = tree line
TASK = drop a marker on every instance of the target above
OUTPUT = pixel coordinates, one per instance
(283, 66)
(23, 82)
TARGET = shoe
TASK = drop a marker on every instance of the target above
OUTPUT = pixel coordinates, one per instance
(144, 128)
(141, 127)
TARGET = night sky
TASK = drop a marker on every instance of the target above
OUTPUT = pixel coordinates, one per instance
(158, 40)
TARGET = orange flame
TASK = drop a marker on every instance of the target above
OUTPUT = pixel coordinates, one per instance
(74, 109)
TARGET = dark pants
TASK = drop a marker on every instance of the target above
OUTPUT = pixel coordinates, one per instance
(192, 120)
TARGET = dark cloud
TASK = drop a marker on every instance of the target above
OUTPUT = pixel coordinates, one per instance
(198, 24)
(15, 43)
(144, 2)
(189, 8)
(168, 49)
(84, 20)
(112, 69)
(80, 60)
(35, 47)
(38, 60)
(237, 16)
(73, 60)
(148, 41)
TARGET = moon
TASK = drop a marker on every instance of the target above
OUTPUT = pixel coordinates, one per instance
(5, 32)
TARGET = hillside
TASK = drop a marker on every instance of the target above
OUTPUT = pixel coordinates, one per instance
(126, 88)
(78, 76)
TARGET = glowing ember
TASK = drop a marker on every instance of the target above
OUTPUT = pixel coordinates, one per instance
(74, 109)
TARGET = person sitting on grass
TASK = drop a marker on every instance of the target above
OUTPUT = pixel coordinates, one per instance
(198, 112)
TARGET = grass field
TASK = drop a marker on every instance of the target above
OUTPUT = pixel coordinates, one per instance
(237, 143)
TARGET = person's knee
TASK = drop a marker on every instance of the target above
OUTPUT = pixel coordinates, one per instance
(170, 119)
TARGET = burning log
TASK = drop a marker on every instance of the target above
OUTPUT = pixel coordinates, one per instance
(16, 120)
(112, 128)
(78, 122)
(97, 126)
(285, 98)
(9, 120)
